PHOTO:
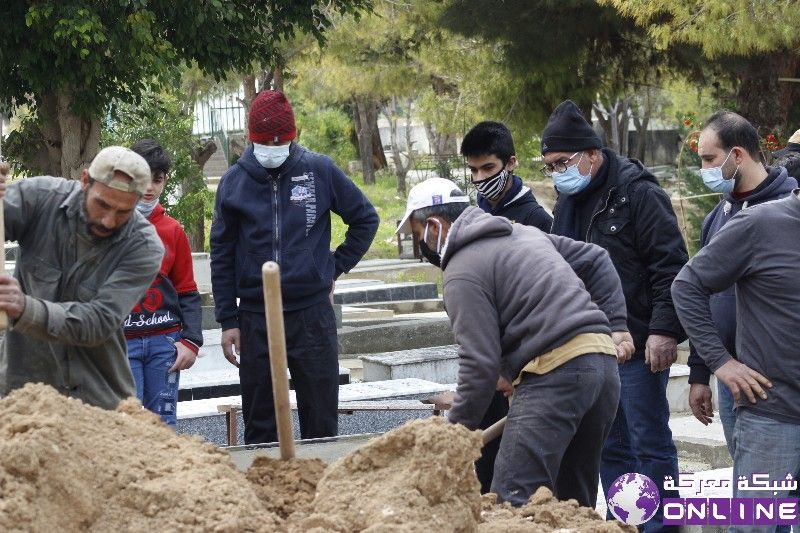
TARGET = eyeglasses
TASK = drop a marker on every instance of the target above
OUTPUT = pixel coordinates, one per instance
(559, 166)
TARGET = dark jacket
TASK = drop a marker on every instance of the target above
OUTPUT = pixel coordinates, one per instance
(634, 221)
(513, 293)
(723, 304)
(791, 148)
(519, 205)
(258, 218)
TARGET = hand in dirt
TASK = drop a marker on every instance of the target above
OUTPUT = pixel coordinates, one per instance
(185, 358)
(231, 339)
(12, 299)
(741, 379)
(660, 352)
(700, 403)
(623, 342)
(505, 387)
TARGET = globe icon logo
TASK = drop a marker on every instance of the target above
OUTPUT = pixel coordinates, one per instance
(633, 499)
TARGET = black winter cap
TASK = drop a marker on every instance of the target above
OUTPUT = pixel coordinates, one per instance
(568, 131)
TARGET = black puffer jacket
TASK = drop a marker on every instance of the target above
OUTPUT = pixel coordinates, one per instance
(633, 219)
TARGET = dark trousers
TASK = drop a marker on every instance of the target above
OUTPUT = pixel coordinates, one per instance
(640, 440)
(484, 466)
(555, 431)
(312, 357)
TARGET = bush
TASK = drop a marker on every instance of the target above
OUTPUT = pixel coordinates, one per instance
(325, 130)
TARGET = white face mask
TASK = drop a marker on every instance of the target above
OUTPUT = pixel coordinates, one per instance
(271, 156)
(145, 208)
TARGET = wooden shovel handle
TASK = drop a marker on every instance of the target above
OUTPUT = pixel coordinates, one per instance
(3, 316)
(273, 305)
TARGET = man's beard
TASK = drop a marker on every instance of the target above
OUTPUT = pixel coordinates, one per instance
(90, 225)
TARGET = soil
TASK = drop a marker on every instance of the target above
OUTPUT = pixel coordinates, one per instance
(66, 466)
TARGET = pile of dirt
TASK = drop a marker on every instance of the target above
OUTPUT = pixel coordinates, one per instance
(66, 466)
(418, 477)
(286, 487)
(544, 513)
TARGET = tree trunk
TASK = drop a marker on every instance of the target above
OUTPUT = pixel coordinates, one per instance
(249, 85)
(71, 141)
(364, 133)
(641, 121)
(764, 100)
(401, 168)
(196, 227)
(277, 78)
(378, 156)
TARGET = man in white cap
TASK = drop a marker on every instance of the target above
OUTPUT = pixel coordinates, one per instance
(85, 259)
(535, 314)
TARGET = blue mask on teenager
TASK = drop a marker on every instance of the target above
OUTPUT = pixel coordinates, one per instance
(571, 181)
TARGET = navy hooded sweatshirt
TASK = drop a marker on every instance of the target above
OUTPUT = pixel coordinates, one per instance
(286, 219)
(777, 185)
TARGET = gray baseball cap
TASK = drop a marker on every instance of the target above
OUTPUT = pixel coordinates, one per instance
(113, 158)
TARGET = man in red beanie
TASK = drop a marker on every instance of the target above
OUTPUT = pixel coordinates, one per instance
(274, 204)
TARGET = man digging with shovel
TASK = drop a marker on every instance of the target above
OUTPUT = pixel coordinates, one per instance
(540, 313)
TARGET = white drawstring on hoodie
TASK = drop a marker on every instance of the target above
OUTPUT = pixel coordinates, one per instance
(729, 206)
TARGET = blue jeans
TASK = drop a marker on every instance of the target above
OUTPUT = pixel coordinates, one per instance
(150, 358)
(727, 414)
(640, 439)
(764, 446)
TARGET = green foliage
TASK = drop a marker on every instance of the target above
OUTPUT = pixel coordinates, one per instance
(160, 116)
(104, 51)
(700, 200)
(547, 51)
(719, 27)
(325, 130)
(390, 207)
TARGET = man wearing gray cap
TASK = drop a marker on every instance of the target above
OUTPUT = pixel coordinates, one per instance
(85, 259)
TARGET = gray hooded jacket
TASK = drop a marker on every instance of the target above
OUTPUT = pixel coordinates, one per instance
(513, 293)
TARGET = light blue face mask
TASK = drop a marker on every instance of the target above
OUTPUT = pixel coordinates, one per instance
(271, 156)
(714, 179)
(571, 181)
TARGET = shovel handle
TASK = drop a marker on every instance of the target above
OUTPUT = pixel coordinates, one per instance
(273, 305)
(3, 315)
(493, 431)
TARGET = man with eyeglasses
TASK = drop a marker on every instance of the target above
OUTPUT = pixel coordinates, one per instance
(614, 202)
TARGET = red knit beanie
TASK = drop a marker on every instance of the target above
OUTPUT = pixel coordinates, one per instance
(271, 118)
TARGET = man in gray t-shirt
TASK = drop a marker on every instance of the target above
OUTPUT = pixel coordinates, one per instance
(758, 251)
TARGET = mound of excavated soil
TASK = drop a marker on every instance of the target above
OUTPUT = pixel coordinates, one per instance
(286, 487)
(66, 466)
(418, 477)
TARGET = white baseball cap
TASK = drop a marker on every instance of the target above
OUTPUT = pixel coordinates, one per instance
(432, 191)
(118, 158)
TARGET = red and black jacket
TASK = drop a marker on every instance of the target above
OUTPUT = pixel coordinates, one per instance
(172, 302)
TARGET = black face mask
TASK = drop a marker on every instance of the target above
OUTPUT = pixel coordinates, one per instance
(434, 258)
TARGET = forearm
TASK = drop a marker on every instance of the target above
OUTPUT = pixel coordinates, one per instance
(191, 318)
(693, 310)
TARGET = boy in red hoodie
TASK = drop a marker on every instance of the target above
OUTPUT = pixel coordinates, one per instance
(164, 330)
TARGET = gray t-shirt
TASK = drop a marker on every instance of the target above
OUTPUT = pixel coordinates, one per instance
(759, 252)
